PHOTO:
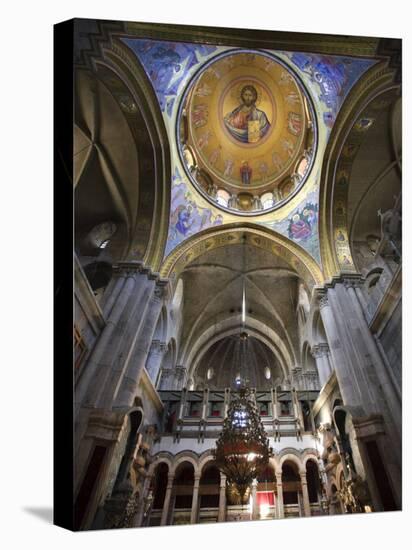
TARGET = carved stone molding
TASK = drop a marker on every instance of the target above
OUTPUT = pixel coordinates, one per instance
(105, 424)
(323, 301)
(320, 350)
(158, 347)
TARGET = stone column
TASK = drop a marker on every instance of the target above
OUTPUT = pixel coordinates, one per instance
(180, 373)
(255, 509)
(320, 352)
(118, 351)
(154, 360)
(205, 404)
(227, 402)
(140, 349)
(222, 499)
(195, 499)
(166, 504)
(305, 494)
(139, 517)
(351, 392)
(98, 365)
(279, 500)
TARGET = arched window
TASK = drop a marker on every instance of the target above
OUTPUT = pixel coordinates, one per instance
(100, 235)
(267, 200)
(222, 197)
(302, 167)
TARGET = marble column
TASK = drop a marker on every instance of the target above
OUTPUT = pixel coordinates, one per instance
(320, 352)
(117, 349)
(305, 493)
(140, 349)
(195, 500)
(279, 499)
(166, 504)
(351, 392)
(98, 364)
(180, 373)
(255, 509)
(222, 499)
(154, 360)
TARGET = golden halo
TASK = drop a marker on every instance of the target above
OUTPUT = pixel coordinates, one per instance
(236, 91)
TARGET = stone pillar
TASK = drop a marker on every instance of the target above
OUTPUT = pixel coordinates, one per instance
(222, 499)
(180, 373)
(139, 517)
(166, 504)
(166, 379)
(350, 391)
(195, 499)
(320, 352)
(227, 402)
(182, 404)
(255, 509)
(140, 348)
(119, 349)
(100, 360)
(154, 360)
(205, 404)
(305, 494)
(279, 500)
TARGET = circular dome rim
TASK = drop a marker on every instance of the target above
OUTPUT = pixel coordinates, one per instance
(311, 105)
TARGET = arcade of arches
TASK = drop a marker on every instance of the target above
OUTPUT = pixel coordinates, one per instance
(158, 304)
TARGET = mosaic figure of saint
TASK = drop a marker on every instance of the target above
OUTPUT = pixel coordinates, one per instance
(204, 139)
(229, 165)
(199, 115)
(245, 173)
(263, 171)
(247, 123)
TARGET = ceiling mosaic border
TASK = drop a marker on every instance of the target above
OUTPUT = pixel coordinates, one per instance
(328, 80)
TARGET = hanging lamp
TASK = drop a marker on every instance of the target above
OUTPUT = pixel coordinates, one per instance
(242, 449)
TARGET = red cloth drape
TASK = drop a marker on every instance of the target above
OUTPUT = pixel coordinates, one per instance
(265, 497)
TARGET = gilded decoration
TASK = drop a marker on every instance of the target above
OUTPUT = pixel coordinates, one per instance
(299, 260)
(172, 67)
(246, 132)
(348, 156)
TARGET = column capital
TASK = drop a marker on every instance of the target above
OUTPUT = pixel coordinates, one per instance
(129, 268)
(158, 347)
(320, 350)
(323, 301)
(197, 479)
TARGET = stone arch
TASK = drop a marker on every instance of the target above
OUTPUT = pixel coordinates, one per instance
(162, 457)
(115, 72)
(256, 235)
(204, 460)
(291, 455)
(186, 456)
(231, 326)
(310, 454)
(336, 254)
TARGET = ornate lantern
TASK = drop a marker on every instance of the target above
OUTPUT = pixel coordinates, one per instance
(242, 450)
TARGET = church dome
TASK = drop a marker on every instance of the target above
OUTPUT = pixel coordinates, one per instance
(246, 132)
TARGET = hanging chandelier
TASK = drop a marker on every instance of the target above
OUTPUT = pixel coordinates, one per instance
(242, 449)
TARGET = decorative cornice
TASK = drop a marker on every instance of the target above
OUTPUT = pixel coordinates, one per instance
(250, 38)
